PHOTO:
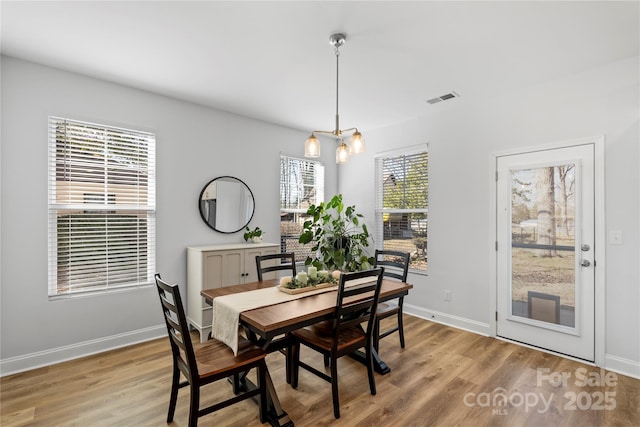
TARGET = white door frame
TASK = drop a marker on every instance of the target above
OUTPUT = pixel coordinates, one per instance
(599, 236)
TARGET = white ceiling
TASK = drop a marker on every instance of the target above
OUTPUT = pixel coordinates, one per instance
(272, 60)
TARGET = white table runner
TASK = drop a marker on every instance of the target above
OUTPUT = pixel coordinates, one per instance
(227, 309)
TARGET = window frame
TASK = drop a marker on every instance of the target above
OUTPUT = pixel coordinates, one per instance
(101, 181)
(381, 211)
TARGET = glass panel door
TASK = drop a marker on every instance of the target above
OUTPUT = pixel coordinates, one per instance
(545, 249)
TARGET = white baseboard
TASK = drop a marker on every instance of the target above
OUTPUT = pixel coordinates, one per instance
(630, 368)
(448, 319)
(52, 356)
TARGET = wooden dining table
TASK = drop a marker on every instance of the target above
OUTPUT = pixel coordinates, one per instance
(265, 325)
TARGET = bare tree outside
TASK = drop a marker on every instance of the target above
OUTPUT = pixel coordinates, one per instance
(567, 191)
(545, 192)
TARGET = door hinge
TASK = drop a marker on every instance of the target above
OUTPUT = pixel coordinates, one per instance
(496, 176)
(496, 316)
(496, 245)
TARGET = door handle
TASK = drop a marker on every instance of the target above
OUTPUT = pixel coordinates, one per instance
(585, 263)
(585, 247)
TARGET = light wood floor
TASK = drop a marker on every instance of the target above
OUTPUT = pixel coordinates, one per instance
(445, 377)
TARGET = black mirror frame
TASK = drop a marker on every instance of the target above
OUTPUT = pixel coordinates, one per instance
(205, 219)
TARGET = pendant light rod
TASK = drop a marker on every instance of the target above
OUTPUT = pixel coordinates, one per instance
(337, 44)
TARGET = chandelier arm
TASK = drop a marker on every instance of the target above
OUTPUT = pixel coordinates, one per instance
(323, 132)
(333, 133)
(349, 130)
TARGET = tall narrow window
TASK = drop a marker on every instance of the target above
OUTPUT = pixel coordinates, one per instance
(402, 203)
(301, 185)
(101, 207)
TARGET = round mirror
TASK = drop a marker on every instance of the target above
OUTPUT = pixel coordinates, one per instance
(226, 204)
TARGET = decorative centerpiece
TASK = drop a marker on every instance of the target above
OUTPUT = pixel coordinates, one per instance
(254, 235)
(305, 282)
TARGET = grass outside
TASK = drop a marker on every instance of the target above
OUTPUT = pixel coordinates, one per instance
(418, 257)
(550, 275)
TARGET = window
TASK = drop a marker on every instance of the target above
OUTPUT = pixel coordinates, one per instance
(402, 203)
(101, 207)
(301, 185)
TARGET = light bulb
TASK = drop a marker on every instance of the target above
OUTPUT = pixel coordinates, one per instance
(312, 147)
(342, 153)
(356, 145)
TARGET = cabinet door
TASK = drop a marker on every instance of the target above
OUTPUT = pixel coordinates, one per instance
(223, 268)
(250, 268)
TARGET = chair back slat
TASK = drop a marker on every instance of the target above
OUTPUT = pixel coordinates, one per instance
(177, 327)
(395, 263)
(350, 314)
(286, 261)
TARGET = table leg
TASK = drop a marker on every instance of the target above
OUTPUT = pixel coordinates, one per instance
(276, 416)
(270, 345)
(378, 364)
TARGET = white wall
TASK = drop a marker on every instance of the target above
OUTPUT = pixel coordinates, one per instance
(462, 138)
(194, 145)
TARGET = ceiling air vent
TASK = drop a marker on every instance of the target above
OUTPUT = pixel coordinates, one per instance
(444, 97)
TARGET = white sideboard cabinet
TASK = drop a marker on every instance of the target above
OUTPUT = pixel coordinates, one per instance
(215, 266)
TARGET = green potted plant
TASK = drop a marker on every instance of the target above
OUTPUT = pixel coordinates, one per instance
(254, 235)
(338, 237)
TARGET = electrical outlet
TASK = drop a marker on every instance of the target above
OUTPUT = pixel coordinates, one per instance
(447, 295)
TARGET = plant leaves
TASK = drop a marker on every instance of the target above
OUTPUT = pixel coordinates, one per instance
(306, 237)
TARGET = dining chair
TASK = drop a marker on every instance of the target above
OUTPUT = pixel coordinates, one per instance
(286, 261)
(208, 362)
(282, 343)
(346, 334)
(396, 266)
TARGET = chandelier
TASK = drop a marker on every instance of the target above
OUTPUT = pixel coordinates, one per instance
(356, 143)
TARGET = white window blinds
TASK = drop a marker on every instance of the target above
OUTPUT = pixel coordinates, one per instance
(402, 203)
(301, 185)
(101, 207)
